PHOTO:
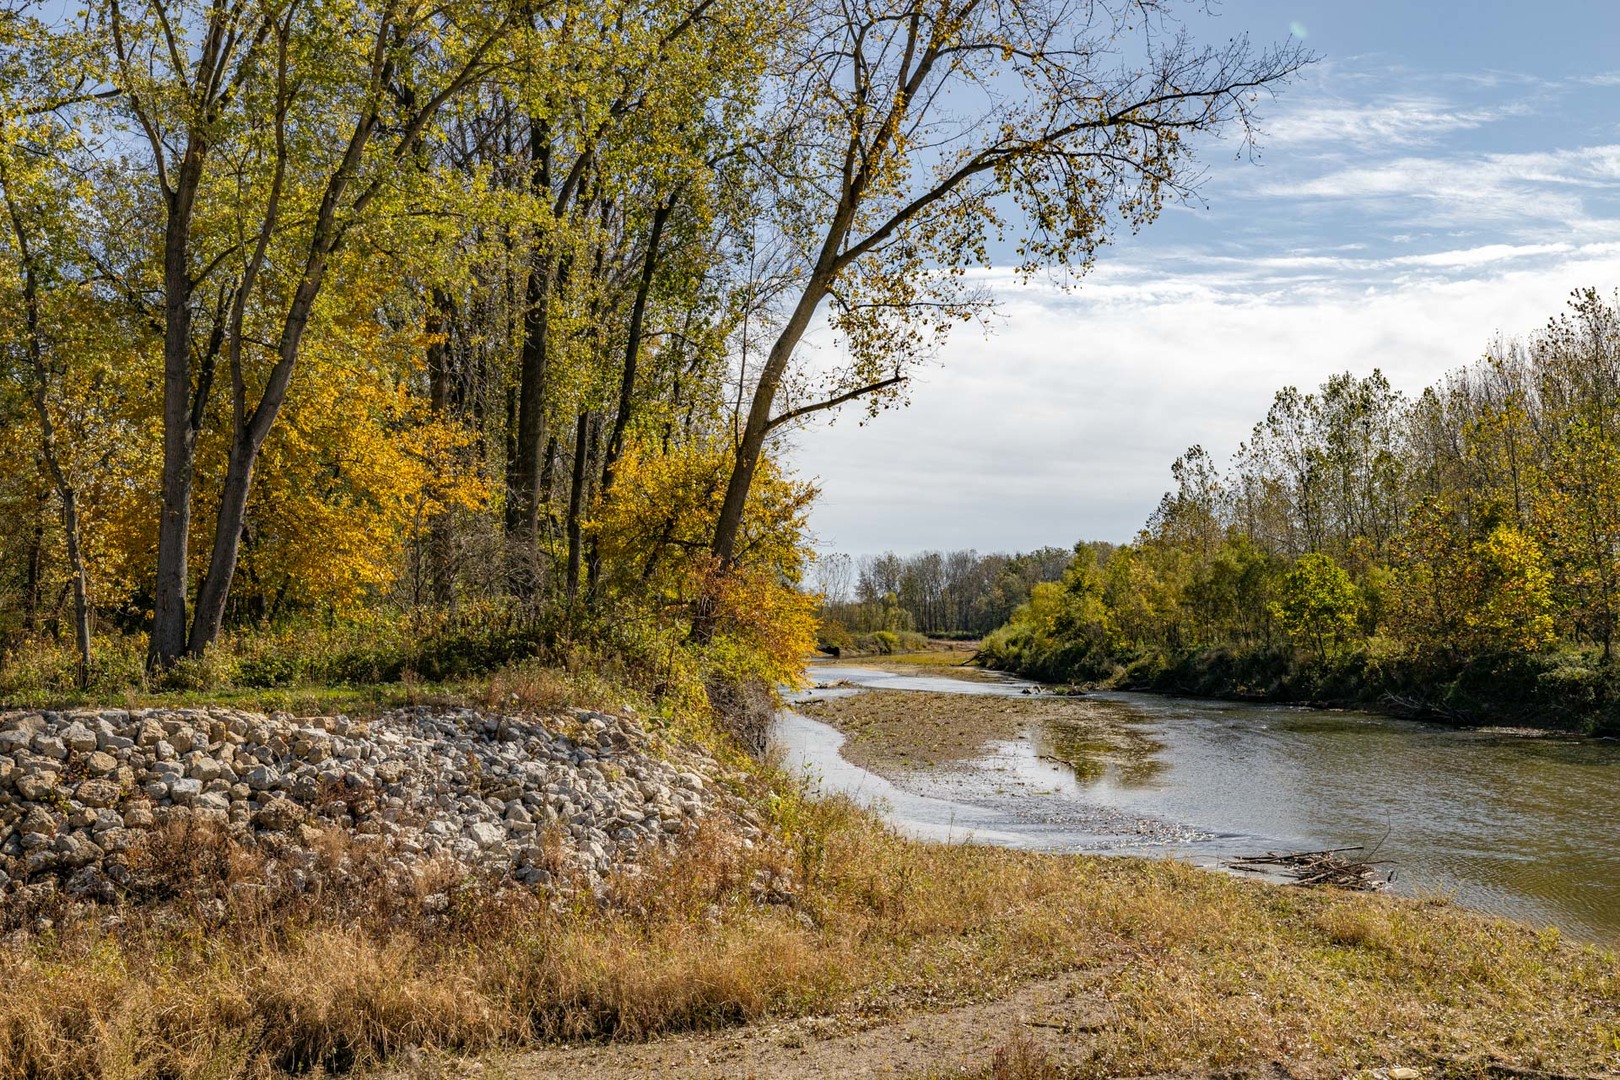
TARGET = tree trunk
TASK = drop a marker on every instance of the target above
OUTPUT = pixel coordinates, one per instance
(216, 584)
(548, 473)
(752, 444)
(81, 584)
(69, 496)
(440, 571)
(627, 379)
(182, 417)
(576, 500)
(36, 558)
(65, 490)
(632, 348)
(252, 428)
(523, 494)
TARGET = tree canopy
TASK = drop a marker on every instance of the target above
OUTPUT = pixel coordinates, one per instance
(319, 311)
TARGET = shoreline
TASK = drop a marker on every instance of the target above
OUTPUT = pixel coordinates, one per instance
(1150, 775)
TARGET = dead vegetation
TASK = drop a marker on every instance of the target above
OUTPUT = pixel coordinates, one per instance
(219, 973)
(1331, 867)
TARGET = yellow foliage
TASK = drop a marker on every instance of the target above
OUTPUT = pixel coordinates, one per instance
(653, 534)
(1464, 594)
(355, 468)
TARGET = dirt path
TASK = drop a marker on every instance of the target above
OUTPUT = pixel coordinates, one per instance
(1058, 1014)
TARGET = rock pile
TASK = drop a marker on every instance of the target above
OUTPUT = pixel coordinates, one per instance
(519, 795)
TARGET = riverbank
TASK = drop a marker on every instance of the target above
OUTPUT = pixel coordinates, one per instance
(797, 936)
(1569, 690)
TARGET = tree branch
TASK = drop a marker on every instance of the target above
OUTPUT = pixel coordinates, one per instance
(832, 403)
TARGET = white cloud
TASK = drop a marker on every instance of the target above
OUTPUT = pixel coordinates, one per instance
(1491, 254)
(1380, 123)
(1063, 424)
(1396, 227)
(1522, 192)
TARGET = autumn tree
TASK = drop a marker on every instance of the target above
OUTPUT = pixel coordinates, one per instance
(886, 189)
(66, 344)
(273, 133)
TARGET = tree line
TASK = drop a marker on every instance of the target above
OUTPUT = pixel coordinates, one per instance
(1462, 545)
(313, 310)
(951, 594)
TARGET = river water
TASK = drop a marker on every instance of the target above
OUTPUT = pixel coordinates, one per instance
(1513, 825)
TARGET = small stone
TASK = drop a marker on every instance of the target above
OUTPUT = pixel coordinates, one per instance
(484, 834)
(200, 766)
(263, 778)
(138, 817)
(100, 763)
(36, 786)
(185, 790)
(279, 815)
(79, 738)
(97, 793)
(114, 840)
(50, 746)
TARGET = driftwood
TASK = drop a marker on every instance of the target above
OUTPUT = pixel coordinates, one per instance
(1330, 867)
(1424, 709)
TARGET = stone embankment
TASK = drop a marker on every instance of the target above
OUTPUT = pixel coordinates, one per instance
(533, 800)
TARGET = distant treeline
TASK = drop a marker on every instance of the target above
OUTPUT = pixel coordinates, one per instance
(1457, 553)
(945, 594)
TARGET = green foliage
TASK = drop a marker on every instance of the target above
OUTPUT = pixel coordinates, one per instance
(1454, 554)
(1318, 605)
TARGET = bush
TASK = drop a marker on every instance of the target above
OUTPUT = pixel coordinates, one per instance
(889, 642)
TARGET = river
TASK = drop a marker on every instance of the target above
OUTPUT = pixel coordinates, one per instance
(1527, 827)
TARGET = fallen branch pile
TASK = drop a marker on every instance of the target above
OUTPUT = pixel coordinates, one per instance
(1327, 867)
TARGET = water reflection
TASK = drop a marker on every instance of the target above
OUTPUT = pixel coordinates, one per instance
(1100, 747)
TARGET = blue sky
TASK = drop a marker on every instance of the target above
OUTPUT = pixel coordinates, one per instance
(1446, 173)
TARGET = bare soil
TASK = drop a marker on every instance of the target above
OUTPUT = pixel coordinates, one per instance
(1059, 1015)
(893, 732)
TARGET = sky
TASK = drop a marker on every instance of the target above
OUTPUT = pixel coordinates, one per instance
(1446, 173)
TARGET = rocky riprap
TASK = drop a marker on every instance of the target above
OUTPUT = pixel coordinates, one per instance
(525, 797)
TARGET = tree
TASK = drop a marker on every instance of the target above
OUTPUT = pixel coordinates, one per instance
(1318, 604)
(1578, 513)
(886, 190)
(63, 339)
(274, 132)
(1464, 587)
(44, 294)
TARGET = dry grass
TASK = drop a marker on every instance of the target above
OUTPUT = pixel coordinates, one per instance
(220, 973)
(1020, 1058)
(548, 690)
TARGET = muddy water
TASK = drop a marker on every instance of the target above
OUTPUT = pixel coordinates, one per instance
(1524, 827)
